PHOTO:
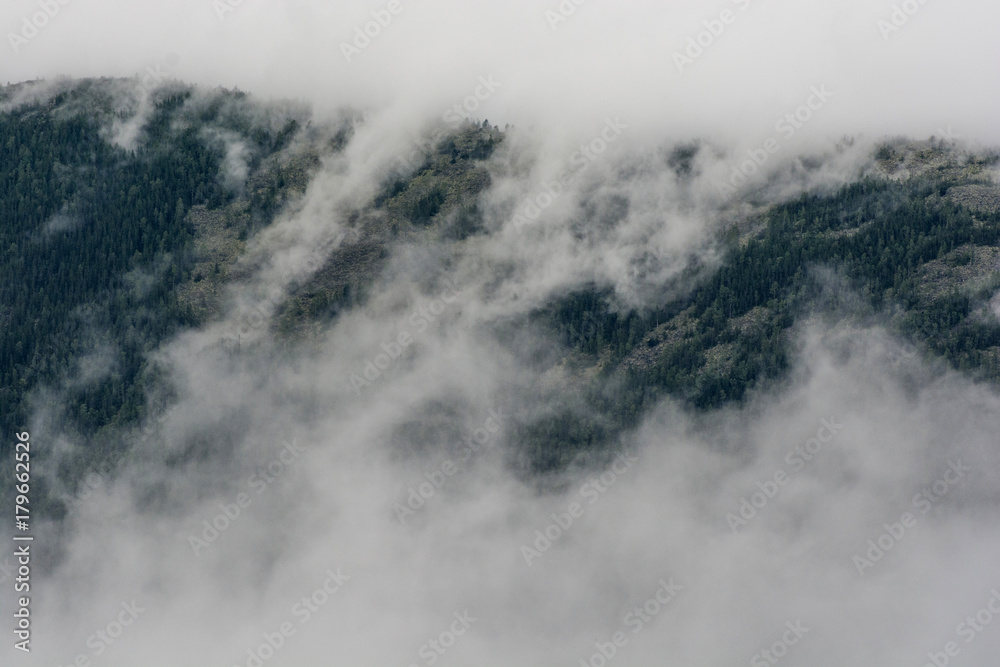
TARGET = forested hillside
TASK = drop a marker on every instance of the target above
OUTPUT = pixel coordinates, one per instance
(112, 242)
(922, 252)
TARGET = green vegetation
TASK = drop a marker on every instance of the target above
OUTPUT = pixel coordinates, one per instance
(106, 250)
(886, 239)
(96, 240)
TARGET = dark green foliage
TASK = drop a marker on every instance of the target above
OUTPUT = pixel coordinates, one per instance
(879, 235)
(94, 242)
(440, 196)
(78, 215)
(426, 206)
(449, 177)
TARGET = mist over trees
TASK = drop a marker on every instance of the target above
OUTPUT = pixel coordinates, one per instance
(216, 305)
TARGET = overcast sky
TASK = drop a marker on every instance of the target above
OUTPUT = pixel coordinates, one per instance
(936, 69)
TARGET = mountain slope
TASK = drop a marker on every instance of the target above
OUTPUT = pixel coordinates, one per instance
(117, 234)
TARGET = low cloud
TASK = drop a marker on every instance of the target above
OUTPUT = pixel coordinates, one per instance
(619, 173)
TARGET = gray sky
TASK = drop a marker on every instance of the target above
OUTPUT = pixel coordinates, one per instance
(935, 71)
